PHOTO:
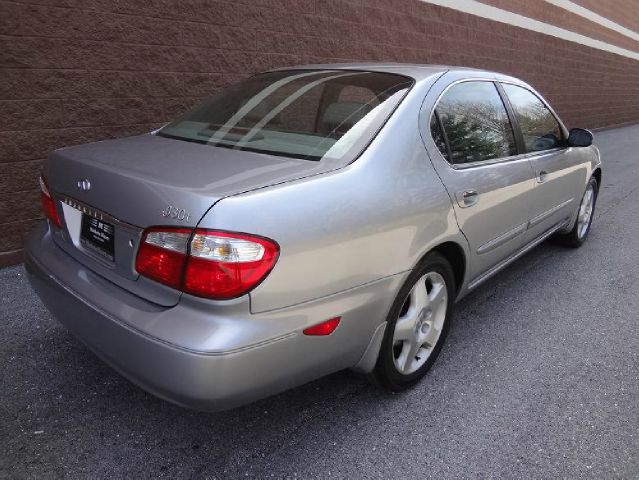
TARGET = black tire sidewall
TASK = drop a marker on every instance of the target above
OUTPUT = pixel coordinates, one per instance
(385, 371)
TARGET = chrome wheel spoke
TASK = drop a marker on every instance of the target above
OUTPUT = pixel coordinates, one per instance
(582, 210)
(405, 328)
(419, 295)
(407, 357)
(416, 301)
(437, 295)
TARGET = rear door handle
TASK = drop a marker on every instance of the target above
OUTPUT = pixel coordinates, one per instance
(467, 198)
(542, 176)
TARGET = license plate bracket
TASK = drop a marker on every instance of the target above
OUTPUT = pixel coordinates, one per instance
(98, 236)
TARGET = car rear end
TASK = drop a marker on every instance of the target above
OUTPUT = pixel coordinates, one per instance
(202, 354)
(208, 350)
(123, 262)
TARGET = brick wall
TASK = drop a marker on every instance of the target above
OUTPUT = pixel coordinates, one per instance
(623, 12)
(74, 71)
(559, 17)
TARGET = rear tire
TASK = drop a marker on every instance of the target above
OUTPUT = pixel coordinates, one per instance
(579, 233)
(417, 324)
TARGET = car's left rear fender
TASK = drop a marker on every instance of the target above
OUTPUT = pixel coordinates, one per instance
(339, 230)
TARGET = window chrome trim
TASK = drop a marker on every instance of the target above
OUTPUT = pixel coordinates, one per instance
(511, 158)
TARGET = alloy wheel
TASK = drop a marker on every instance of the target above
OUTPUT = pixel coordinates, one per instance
(585, 211)
(420, 323)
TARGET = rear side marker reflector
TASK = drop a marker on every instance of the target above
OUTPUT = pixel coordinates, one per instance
(324, 328)
(206, 263)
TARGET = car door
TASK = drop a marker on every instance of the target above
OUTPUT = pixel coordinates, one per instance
(560, 175)
(472, 145)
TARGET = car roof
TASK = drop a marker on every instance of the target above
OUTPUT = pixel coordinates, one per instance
(415, 70)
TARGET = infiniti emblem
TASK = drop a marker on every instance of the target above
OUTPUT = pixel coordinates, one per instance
(84, 185)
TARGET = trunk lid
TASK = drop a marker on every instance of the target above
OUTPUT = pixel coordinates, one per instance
(133, 183)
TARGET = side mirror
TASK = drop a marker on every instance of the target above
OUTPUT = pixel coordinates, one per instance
(580, 137)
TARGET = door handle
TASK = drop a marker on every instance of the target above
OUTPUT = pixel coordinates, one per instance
(467, 198)
(542, 176)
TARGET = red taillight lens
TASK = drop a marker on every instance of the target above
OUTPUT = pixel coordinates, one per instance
(206, 263)
(225, 265)
(162, 255)
(48, 204)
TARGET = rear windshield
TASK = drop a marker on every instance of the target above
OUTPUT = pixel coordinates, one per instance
(308, 114)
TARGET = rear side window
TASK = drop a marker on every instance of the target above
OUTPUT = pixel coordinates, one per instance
(475, 122)
(538, 125)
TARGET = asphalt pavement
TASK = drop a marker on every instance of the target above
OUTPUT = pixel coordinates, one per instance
(539, 378)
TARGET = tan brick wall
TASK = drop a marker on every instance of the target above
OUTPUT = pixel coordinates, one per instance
(74, 71)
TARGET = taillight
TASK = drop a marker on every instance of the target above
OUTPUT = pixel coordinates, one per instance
(162, 255)
(206, 263)
(48, 204)
(227, 265)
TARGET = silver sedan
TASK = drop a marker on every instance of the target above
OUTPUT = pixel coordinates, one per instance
(304, 221)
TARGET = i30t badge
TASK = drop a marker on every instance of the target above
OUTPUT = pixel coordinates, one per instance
(329, 217)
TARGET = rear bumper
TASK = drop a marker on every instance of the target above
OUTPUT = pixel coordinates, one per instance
(201, 355)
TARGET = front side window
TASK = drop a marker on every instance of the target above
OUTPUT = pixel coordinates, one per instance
(475, 122)
(538, 125)
(307, 114)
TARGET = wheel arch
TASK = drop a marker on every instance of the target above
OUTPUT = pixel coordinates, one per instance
(454, 253)
(597, 174)
(456, 256)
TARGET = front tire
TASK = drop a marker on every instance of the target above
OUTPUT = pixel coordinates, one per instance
(418, 324)
(577, 236)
